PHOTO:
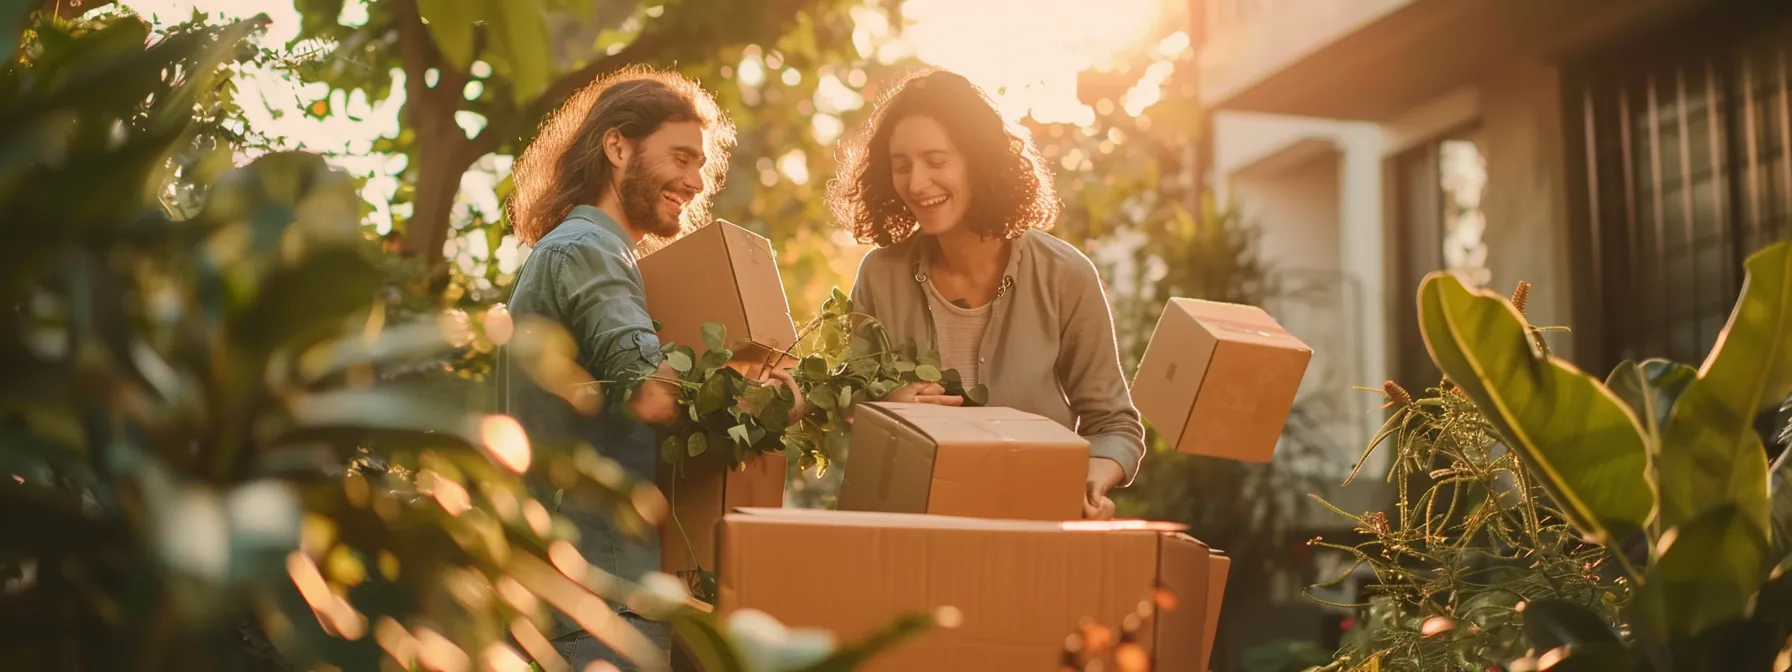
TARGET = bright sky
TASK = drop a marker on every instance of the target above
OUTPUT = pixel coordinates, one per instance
(1025, 52)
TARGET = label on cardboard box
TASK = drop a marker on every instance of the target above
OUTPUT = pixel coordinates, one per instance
(982, 462)
(725, 274)
(1219, 379)
(1021, 586)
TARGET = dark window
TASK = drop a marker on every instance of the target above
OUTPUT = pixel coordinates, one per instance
(1684, 144)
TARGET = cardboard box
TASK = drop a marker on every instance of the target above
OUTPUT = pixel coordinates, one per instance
(725, 274)
(706, 491)
(1022, 587)
(1219, 379)
(982, 462)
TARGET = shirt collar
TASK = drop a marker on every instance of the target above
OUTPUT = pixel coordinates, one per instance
(925, 254)
(597, 216)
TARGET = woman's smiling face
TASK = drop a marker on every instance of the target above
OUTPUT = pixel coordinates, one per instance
(929, 174)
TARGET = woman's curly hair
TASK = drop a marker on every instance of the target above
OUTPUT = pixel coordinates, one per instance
(566, 167)
(1011, 185)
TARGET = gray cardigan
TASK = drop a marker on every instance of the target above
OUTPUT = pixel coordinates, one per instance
(1050, 347)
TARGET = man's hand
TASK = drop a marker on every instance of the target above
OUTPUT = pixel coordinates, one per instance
(925, 393)
(1104, 474)
(656, 401)
(798, 408)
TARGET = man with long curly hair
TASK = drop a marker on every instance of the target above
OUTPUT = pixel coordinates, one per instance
(957, 199)
(631, 158)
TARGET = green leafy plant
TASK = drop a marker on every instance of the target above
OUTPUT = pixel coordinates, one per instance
(1473, 539)
(836, 369)
(1659, 457)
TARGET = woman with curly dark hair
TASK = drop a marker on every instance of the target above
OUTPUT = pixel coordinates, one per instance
(957, 201)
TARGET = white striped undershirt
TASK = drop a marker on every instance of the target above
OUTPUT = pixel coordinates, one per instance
(959, 332)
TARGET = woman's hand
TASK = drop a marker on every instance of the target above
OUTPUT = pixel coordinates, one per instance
(1104, 474)
(925, 393)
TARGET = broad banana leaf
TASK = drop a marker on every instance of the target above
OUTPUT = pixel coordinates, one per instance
(1710, 453)
(1579, 437)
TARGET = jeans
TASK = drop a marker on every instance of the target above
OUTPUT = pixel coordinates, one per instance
(581, 649)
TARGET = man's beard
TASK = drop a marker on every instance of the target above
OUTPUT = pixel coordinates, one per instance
(642, 194)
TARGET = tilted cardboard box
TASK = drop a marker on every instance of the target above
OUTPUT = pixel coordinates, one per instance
(725, 274)
(1022, 587)
(1219, 379)
(983, 462)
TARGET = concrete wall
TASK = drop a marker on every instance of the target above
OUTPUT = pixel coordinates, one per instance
(1313, 189)
(1527, 191)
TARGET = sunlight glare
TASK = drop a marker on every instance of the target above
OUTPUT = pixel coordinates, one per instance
(1027, 52)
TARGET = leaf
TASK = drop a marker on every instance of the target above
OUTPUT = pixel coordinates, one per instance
(452, 26)
(1649, 389)
(296, 305)
(775, 418)
(695, 445)
(669, 450)
(755, 398)
(1550, 623)
(713, 396)
(1579, 437)
(813, 368)
(713, 360)
(854, 656)
(739, 435)
(715, 336)
(978, 395)
(928, 372)
(704, 641)
(680, 362)
(520, 31)
(1710, 453)
(1704, 576)
(845, 397)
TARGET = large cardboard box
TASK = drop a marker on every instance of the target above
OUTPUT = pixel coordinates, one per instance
(982, 462)
(725, 274)
(705, 490)
(1022, 587)
(1219, 379)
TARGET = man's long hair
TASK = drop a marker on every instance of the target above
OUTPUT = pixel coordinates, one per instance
(566, 167)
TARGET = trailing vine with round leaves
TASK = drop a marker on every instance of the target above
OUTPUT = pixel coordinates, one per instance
(837, 367)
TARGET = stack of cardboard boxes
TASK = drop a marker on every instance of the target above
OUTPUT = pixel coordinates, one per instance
(973, 508)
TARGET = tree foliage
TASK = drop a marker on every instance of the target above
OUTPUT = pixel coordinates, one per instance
(478, 77)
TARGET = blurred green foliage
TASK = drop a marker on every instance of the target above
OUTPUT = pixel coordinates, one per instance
(214, 431)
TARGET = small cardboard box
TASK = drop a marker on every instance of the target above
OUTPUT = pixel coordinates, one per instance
(982, 462)
(725, 274)
(1219, 379)
(706, 490)
(1022, 587)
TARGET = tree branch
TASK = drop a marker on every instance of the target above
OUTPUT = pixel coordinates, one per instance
(413, 39)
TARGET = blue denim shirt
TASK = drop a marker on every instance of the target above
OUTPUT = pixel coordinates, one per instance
(583, 276)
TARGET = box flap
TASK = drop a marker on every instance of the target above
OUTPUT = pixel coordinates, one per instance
(1219, 567)
(889, 465)
(1183, 567)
